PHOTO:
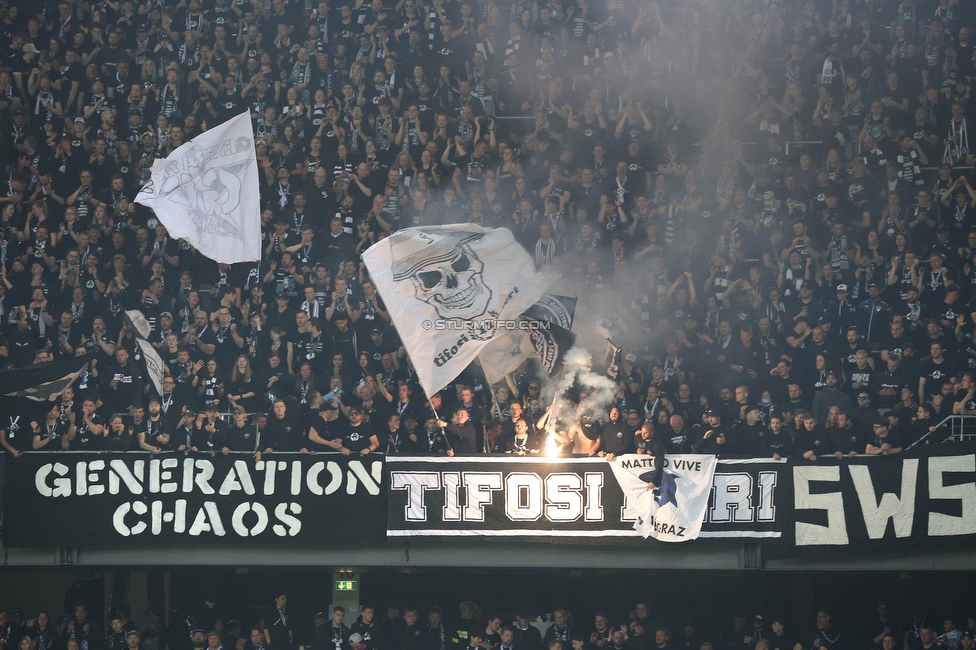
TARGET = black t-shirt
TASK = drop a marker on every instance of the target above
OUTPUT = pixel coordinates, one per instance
(53, 434)
(616, 438)
(324, 430)
(85, 440)
(960, 396)
(19, 433)
(238, 438)
(935, 374)
(356, 438)
(846, 440)
(818, 441)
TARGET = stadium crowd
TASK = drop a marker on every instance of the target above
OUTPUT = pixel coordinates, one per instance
(468, 629)
(773, 199)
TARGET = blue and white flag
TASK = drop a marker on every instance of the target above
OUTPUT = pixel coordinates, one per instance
(674, 510)
(207, 193)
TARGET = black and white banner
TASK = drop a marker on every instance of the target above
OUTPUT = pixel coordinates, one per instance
(571, 497)
(61, 499)
(923, 496)
(40, 382)
(916, 499)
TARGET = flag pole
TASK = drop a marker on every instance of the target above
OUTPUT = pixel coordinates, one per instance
(550, 445)
(439, 420)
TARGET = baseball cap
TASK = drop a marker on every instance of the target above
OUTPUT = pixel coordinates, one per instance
(873, 285)
(841, 287)
(133, 633)
(355, 637)
(630, 357)
(712, 413)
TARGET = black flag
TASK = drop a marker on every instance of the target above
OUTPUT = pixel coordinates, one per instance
(41, 382)
(550, 344)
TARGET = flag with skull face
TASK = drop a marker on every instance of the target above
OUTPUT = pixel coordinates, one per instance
(450, 290)
(206, 192)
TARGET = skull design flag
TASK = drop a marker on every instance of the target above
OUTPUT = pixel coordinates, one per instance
(450, 290)
(207, 193)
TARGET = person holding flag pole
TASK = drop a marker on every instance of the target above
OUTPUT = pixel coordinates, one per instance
(438, 442)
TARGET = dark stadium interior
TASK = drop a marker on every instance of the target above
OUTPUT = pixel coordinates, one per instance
(745, 235)
(710, 598)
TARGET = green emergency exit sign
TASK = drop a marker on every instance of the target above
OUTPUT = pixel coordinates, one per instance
(346, 585)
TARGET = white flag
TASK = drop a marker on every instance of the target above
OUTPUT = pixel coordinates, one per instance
(448, 288)
(207, 193)
(675, 509)
(154, 365)
(505, 353)
(139, 323)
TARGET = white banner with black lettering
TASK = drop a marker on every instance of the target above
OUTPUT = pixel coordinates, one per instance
(450, 290)
(673, 511)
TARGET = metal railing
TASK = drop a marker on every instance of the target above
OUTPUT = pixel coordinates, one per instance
(962, 428)
(954, 428)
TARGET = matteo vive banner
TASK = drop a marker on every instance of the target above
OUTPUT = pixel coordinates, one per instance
(61, 499)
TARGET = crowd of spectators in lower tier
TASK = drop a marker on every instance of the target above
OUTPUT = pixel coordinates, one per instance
(771, 198)
(467, 628)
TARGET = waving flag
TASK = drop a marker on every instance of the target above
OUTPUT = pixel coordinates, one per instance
(547, 336)
(450, 290)
(674, 510)
(540, 339)
(207, 193)
(42, 382)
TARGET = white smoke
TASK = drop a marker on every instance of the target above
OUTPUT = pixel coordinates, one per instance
(596, 390)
